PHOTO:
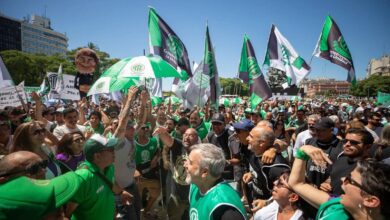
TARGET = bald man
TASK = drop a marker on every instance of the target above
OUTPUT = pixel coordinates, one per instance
(260, 180)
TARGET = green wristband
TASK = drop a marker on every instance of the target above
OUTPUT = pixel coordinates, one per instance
(301, 155)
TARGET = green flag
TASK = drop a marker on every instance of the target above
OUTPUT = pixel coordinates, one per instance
(164, 42)
(332, 46)
(210, 67)
(249, 72)
(383, 98)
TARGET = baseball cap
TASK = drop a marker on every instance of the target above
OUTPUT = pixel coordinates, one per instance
(24, 197)
(324, 123)
(98, 143)
(244, 124)
(183, 121)
(217, 117)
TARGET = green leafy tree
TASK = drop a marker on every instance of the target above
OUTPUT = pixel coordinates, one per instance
(371, 86)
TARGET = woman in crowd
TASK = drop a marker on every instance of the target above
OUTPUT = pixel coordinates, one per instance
(94, 123)
(280, 132)
(381, 151)
(109, 131)
(31, 136)
(285, 204)
(70, 150)
(367, 188)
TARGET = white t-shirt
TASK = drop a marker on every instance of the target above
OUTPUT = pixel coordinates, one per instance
(270, 212)
(300, 141)
(124, 163)
(60, 131)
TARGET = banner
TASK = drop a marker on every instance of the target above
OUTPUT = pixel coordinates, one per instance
(12, 95)
(69, 92)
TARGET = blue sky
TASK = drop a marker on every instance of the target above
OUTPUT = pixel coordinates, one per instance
(119, 27)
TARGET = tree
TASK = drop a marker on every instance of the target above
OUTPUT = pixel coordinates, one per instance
(234, 86)
(371, 86)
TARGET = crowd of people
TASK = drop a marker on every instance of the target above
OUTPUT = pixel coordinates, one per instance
(308, 159)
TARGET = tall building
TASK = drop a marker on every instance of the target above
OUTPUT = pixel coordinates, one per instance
(379, 66)
(33, 35)
(39, 37)
(10, 33)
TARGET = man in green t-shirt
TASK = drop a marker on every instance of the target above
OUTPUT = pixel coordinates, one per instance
(95, 197)
(24, 195)
(201, 127)
(210, 196)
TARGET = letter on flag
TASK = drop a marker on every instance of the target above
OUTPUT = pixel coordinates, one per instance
(281, 55)
(249, 72)
(332, 46)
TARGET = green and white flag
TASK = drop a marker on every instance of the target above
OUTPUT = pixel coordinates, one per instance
(383, 98)
(165, 43)
(281, 55)
(210, 68)
(249, 72)
(332, 46)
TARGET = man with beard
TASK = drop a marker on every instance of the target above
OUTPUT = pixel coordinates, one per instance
(306, 134)
(177, 188)
(223, 138)
(374, 125)
(210, 196)
(202, 128)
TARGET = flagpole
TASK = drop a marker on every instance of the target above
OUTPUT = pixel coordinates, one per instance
(300, 87)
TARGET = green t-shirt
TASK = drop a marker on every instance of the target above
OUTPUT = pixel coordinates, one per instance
(98, 130)
(203, 129)
(95, 199)
(203, 205)
(332, 209)
(143, 157)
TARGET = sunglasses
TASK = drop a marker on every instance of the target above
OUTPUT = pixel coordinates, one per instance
(145, 128)
(39, 131)
(352, 142)
(348, 179)
(216, 123)
(32, 169)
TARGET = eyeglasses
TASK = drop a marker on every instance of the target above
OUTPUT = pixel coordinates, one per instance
(39, 131)
(278, 183)
(32, 169)
(348, 179)
(145, 128)
(352, 142)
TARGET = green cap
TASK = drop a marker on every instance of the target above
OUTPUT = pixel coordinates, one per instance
(23, 197)
(98, 143)
(248, 110)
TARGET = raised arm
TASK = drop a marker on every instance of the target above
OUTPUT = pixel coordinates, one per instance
(124, 114)
(297, 182)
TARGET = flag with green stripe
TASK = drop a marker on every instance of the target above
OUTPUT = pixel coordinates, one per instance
(332, 46)
(281, 55)
(249, 72)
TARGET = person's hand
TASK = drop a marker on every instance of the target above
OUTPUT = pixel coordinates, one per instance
(36, 97)
(325, 186)
(131, 92)
(317, 155)
(160, 130)
(127, 198)
(88, 134)
(108, 129)
(258, 204)
(247, 177)
(269, 156)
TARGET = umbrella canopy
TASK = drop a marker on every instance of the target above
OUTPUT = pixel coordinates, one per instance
(129, 71)
(174, 100)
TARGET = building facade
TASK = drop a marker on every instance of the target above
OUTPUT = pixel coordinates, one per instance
(38, 37)
(10, 33)
(323, 86)
(379, 66)
(35, 36)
